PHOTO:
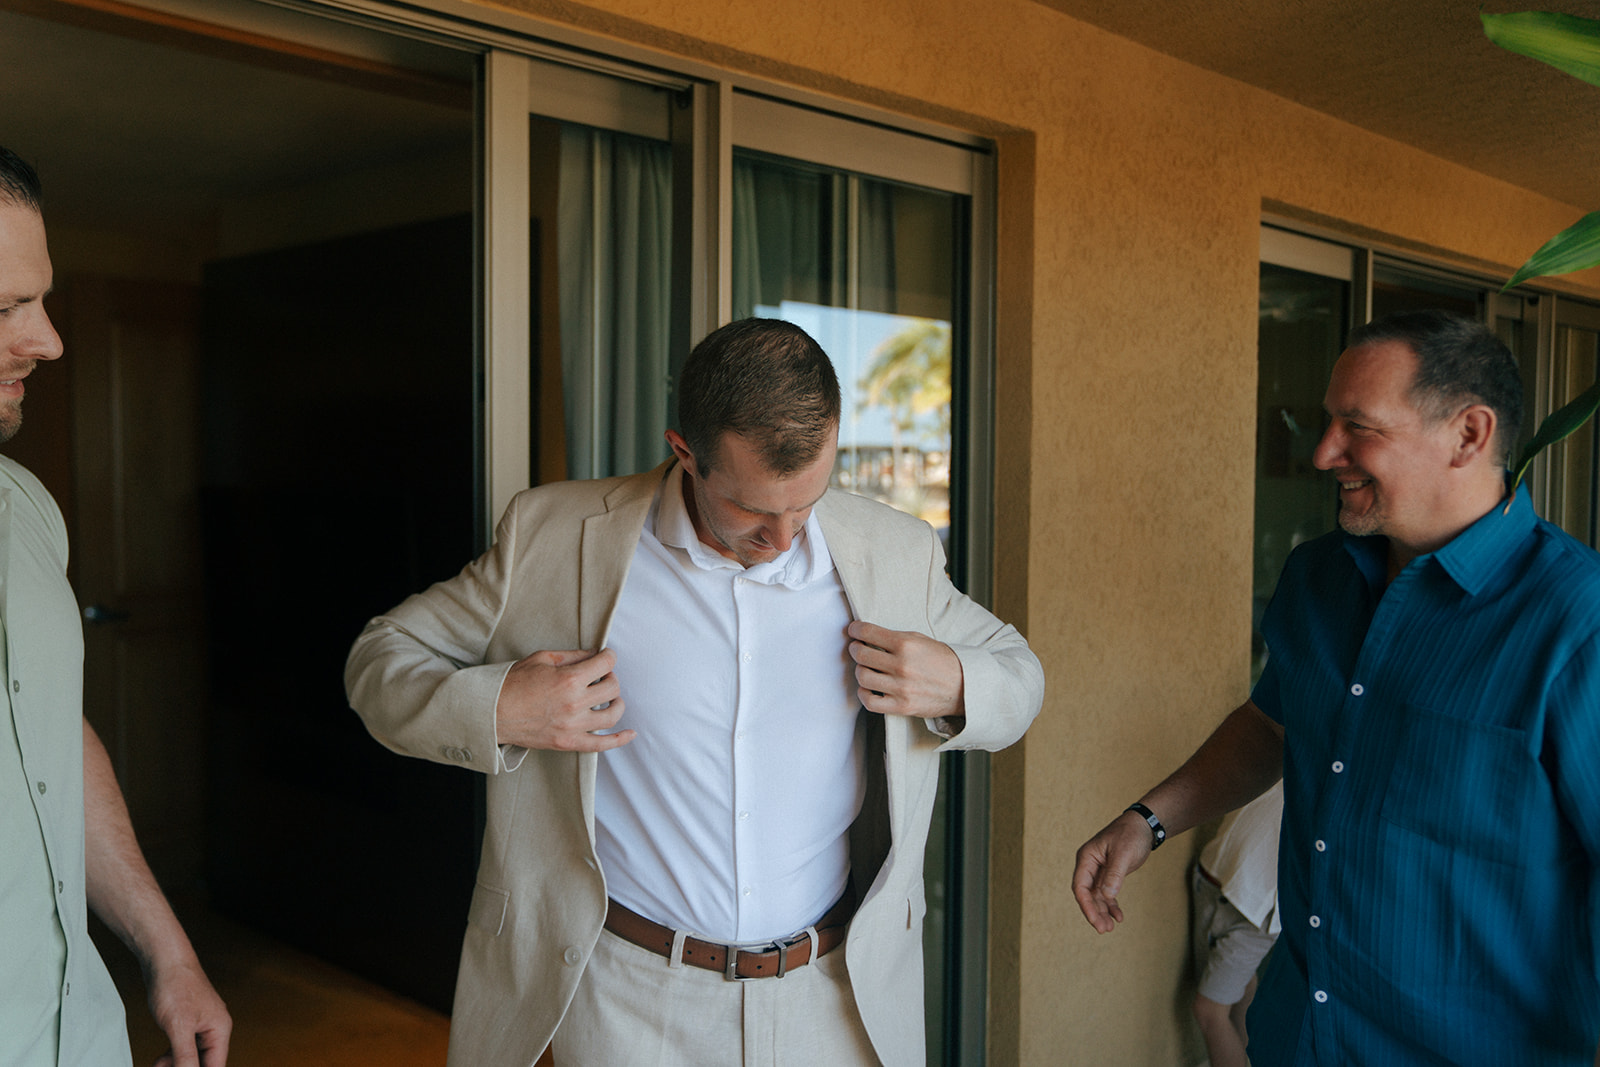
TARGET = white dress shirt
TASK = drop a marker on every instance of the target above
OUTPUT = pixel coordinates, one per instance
(727, 816)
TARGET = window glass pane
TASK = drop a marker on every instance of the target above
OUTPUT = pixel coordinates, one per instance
(1395, 290)
(1573, 461)
(1301, 333)
(873, 270)
(867, 268)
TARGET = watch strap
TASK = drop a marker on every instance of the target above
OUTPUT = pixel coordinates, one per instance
(1158, 833)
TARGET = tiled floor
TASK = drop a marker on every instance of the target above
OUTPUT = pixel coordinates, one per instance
(289, 1009)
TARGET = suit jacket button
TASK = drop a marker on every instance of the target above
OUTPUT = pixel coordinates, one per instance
(572, 956)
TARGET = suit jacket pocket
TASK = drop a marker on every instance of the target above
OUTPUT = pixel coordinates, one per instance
(488, 910)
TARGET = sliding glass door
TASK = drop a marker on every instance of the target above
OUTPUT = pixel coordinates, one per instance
(870, 249)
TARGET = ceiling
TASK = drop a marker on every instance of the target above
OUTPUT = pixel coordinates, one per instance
(152, 123)
(1417, 71)
(159, 129)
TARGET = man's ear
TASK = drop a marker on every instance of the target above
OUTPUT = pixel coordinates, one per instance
(680, 448)
(1475, 426)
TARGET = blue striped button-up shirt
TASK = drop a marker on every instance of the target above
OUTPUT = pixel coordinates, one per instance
(1441, 827)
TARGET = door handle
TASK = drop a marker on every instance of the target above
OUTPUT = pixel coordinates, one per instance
(99, 613)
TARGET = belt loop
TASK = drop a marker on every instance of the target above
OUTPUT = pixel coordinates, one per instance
(675, 958)
(816, 942)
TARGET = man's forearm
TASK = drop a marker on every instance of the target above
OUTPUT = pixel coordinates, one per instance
(122, 890)
(1238, 762)
(1240, 759)
(124, 894)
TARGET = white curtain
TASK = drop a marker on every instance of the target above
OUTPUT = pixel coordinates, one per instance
(615, 235)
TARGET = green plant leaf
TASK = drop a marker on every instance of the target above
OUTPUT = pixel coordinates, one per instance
(1575, 248)
(1556, 427)
(1566, 42)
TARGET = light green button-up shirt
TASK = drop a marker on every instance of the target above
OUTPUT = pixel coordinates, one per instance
(58, 1006)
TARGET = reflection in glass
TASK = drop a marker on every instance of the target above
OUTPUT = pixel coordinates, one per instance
(1301, 333)
(1573, 462)
(867, 268)
(872, 270)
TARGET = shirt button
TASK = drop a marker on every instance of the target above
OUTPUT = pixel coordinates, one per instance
(747, 657)
(1322, 846)
(41, 788)
(16, 687)
(1316, 921)
(746, 890)
(1320, 996)
(572, 956)
(744, 815)
(1357, 689)
(1338, 766)
(61, 887)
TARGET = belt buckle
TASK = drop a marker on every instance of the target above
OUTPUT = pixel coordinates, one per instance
(730, 972)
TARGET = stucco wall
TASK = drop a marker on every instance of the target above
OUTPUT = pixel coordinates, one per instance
(1132, 191)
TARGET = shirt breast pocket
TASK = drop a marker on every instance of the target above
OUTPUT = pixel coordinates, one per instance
(1468, 786)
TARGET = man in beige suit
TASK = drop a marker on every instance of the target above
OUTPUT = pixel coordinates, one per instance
(704, 840)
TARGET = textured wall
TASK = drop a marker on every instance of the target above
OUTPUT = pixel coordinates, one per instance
(1132, 191)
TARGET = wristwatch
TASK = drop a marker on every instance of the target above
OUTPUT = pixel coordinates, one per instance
(1158, 833)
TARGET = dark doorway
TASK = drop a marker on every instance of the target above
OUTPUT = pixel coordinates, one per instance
(338, 442)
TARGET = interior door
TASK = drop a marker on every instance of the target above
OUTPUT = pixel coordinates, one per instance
(136, 550)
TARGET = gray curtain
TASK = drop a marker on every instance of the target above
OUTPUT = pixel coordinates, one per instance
(791, 238)
(615, 235)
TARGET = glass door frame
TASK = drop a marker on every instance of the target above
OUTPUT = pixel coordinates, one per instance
(529, 67)
(715, 110)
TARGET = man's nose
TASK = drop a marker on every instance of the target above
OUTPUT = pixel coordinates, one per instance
(1326, 455)
(780, 536)
(39, 338)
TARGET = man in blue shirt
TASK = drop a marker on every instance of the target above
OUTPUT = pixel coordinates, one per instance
(1432, 702)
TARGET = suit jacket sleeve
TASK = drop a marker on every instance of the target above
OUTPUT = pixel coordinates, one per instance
(417, 675)
(1002, 680)
(893, 570)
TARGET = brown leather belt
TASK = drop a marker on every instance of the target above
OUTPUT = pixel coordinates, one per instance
(771, 961)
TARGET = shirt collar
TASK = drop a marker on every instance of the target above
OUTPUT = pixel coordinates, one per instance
(1472, 557)
(803, 562)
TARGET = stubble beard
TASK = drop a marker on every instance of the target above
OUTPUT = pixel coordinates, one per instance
(10, 420)
(1365, 524)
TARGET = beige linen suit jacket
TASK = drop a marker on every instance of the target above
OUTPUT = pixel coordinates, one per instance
(426, 676)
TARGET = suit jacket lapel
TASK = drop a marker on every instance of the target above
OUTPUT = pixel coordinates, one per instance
(865, 592)
(609, 539)
(604, 556)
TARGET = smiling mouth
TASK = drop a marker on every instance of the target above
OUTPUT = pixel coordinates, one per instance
(1348, 486)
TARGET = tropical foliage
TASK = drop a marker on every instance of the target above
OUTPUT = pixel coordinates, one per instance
(910, 375)
(1570, 43)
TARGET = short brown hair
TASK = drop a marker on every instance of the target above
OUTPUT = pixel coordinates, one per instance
(767, 381)
(1459, 362)
(19, 182)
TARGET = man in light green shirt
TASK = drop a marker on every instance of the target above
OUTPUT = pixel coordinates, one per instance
(65, 840)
